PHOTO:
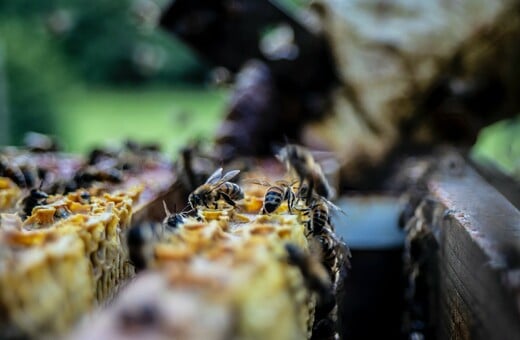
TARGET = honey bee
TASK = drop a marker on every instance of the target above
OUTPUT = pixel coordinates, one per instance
(335, 252)
(84, 197)
(12, 172)
(141, 238)
(62, 212)
(320, 214)
(320, 217)
(215, 188)
(327, 246)
(35, 198)
(316, 277)
(31, 174)
(276, 194)
(301, 161)
(172, 220)
(91, 174)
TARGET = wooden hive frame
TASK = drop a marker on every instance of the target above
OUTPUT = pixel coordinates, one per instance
(462, 255)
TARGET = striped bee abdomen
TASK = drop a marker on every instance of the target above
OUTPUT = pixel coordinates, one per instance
(232, 190)
(273, 199)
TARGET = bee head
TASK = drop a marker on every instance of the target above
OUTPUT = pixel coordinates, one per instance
(37, 194)
(195, 200)
(174, 220)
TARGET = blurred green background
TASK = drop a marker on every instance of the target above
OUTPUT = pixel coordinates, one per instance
(96, 71)
(92, 72)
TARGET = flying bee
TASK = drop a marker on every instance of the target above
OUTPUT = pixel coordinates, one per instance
(35, 198)
(215, 188)
(276, 194)
(301, 161)
(38, 142)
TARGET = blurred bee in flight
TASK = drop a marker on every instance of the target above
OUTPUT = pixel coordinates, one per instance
(302, 163)
(217, 187)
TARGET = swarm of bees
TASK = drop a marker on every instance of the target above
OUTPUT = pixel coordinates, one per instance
(315, 191)
(322, 263)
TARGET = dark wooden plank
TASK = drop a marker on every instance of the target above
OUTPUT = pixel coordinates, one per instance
(475, 259)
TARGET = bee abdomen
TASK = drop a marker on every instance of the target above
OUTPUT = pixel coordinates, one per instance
(272, 200)
(233, 190)
(329, 254)
(319, 220)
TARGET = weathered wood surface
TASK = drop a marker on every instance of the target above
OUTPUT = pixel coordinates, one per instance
(464, 259)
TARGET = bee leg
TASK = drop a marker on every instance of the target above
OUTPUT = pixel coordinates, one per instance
(309, 191)
(227, 199)
(290, 200)
(308, 229)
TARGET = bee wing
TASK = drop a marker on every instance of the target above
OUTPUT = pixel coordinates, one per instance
(215, 177)
(323, 156)
(285, 183)
(257, 181)
(333, 206)
(228, 176)
(217, 182)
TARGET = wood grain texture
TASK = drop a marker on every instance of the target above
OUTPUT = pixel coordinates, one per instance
(468, 274)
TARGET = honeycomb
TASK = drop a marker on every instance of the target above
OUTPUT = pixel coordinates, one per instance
(67, 264)
(9, 194)
(221, 275)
